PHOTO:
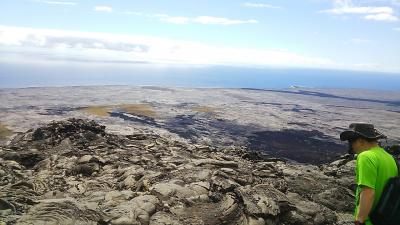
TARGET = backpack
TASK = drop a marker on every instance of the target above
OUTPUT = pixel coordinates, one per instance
(387, 211)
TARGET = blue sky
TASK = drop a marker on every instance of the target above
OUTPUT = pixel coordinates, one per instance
(329, 34)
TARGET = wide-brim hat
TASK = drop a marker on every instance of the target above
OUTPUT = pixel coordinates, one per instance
(364, 130)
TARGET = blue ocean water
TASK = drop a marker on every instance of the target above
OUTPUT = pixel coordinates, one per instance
(39, 75)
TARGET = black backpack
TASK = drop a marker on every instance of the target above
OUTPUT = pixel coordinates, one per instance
(387, 211)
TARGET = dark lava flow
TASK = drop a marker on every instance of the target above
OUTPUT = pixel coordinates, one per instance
(219, 131)
(135, 118)
(300, 145)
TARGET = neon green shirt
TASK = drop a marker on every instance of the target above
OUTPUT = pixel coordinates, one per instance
(373, 169)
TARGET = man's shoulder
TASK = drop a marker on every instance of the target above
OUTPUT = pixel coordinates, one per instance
(375, 156)
(372, 152)
(371, 155)
(368, 154)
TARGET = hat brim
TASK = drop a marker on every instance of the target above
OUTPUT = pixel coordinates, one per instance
(379, 135)
(347, 135)
(350, 134)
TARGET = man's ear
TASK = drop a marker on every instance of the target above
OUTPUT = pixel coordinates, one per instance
(358, 142)
(362, 141)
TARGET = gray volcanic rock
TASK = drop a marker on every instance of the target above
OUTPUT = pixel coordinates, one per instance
(73, 172)
(59, 211)
(299, 124)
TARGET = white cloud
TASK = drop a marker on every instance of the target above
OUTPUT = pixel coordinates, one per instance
(396, 2)
(173, 19)
(389, 2)
(131, 13)
(382, 17)
(260, 5)
(383, 13)
(54, 45)
(221, 20)
(359, 10)
(396, 28)
(212, 20)
(342, 3)
(101, 8)
(57, 2)
(360, 41)
(368, 66)
(181, 20)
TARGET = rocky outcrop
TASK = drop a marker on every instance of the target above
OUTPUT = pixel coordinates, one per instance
(73, 172)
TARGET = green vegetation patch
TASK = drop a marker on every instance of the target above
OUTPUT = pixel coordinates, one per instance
(138, 109)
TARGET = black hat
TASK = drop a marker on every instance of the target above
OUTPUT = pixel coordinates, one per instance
(364, 130)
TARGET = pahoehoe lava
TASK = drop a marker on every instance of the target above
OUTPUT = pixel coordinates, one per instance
(80, 174)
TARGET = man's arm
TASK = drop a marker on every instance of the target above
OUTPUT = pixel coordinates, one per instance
(367, 196)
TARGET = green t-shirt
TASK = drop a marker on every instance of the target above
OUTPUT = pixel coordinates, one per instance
(373, 169)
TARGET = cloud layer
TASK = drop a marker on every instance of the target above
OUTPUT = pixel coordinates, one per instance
(33, 44)
(381, 17)
(205, 20)
(212, 20)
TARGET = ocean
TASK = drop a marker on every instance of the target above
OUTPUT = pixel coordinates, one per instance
(80, 74)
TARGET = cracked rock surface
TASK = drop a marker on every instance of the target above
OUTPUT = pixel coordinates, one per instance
(74, 172)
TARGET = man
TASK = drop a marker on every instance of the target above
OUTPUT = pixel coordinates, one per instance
(374, 167)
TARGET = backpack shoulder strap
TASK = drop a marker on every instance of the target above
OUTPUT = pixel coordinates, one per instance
(398, 166)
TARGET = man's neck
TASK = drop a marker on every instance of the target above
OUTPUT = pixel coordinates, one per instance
(369, 146)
